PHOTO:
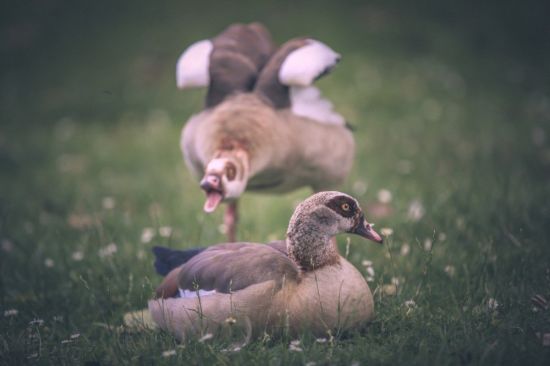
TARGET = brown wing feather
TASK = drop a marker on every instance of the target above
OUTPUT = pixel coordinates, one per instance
(268, 85)
(279, 245)
(234, 266)
(238, 54)
(169, 285)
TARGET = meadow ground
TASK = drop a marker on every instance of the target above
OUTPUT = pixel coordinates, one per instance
(452, 114)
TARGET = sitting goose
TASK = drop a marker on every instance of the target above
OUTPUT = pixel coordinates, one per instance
(298, 284)
(264, 126)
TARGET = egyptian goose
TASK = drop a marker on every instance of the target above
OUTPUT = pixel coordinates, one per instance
(300, 284)
(264, 126)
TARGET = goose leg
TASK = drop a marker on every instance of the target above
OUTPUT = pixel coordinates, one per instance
(230, 219)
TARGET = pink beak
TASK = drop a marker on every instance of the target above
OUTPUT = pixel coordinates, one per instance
(365, 230)
(212, 186)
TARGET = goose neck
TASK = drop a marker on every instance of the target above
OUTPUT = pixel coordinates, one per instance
(310, 246)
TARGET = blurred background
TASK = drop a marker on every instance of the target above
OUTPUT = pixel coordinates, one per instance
(98, 60)
(451, 104)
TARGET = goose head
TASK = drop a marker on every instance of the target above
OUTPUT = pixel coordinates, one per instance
(225, 178)
(333, 213)
(318, 219)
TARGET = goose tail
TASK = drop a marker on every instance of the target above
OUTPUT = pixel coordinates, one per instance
(167, 259)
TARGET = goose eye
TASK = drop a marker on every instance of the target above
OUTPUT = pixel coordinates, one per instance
(345, 206)
(230, 172)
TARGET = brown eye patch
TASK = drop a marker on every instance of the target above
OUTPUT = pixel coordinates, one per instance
(230, 171)
(343, 205)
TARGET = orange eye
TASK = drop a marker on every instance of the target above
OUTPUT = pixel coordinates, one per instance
(230, 172)
(345, 206)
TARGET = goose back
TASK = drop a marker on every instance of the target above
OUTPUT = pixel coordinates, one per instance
(286, 151)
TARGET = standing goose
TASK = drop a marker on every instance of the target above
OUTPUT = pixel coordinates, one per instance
(298, 284)
(264, 126)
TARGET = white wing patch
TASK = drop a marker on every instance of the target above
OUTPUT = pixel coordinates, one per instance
(189, 294)
(299, 70)
(307, 102)
(302, 66)
(193, 64)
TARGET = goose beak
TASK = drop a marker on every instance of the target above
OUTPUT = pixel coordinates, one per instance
(211, 184)
(364, 229)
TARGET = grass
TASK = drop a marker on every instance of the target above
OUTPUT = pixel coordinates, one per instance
(452, 112)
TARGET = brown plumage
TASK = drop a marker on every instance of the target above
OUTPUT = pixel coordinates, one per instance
(264, 128)
(305, 286)
(238, 55)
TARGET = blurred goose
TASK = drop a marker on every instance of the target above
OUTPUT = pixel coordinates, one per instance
(295, 285)
(264, 126)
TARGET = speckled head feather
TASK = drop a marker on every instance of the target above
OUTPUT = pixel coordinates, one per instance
(314, 222)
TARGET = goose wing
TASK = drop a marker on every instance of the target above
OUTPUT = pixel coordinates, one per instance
(231, 267)
(227, 63)
(287, 79)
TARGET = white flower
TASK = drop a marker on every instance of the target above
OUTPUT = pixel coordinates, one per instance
(230, 320)
(370, 279)
(206, 337)
(169, 353)
(48, 262)
(450, 270)
(233, 348)
(384, 196)
(108, 251)
(321, 340)
(366, 263)
(65, 341)
(395, 281)
(442, 237)
(38, 322)
(370, 271)
(32, 355)
(11, 312)
(492, 304)
(310, 363)
(295, 346)
(416, 211)
(410, 304)
(386, 231)
(428, 245)
(108, 203)
(165, 231)
(405, 249)
(75, 336)
(147, 234)
(77, 256)
(389, 290)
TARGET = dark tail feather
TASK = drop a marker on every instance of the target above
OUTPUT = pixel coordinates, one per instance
(167, 259)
